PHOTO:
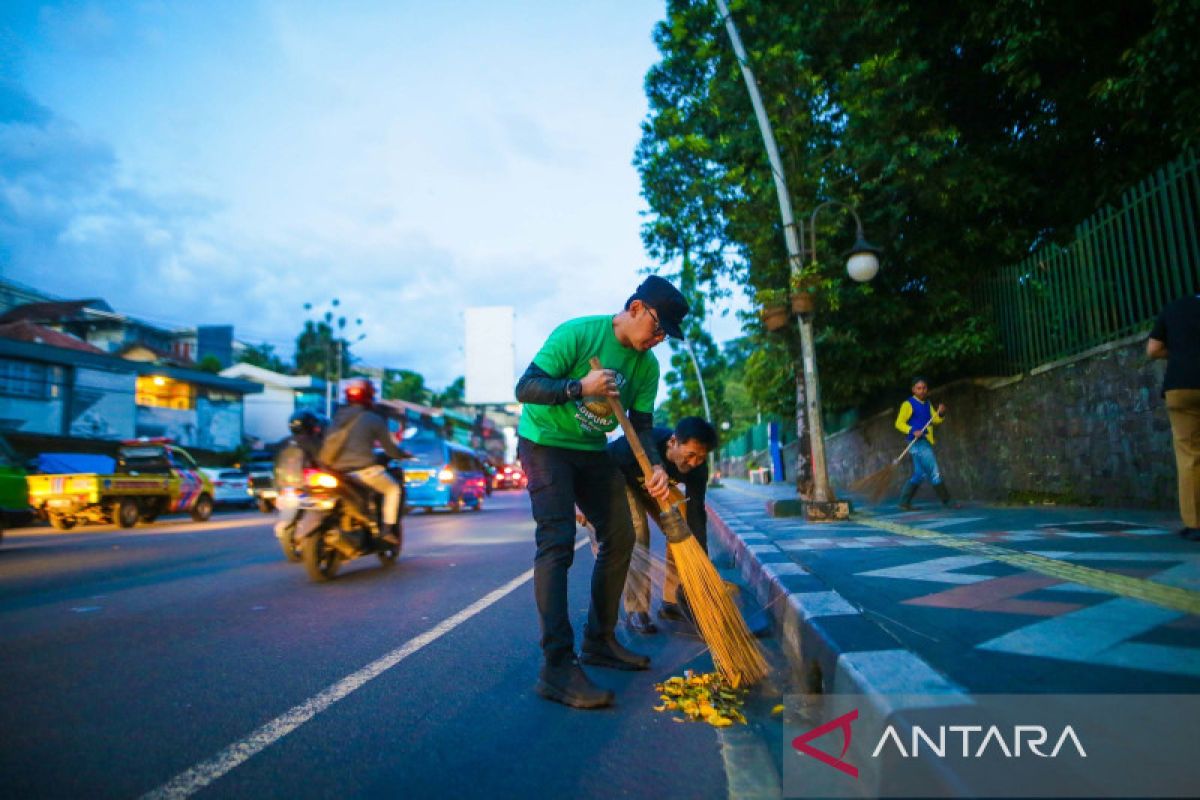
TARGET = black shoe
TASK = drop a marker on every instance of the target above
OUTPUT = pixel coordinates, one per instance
(566, 682)
(906, 497)
(671, 611)
(608, 652)
(1191, 534)
(944, 495)
(391, 534)
(640, 622)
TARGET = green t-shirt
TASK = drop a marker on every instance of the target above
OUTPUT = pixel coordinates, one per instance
(582, 424)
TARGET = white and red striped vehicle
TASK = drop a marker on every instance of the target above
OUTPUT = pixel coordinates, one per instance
(153, 477)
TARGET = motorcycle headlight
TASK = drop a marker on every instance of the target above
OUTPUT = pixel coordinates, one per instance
(322, 480)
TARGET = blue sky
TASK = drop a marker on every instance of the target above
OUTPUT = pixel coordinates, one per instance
(227, 162)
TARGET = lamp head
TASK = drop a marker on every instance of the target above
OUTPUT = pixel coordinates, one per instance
(863, 261)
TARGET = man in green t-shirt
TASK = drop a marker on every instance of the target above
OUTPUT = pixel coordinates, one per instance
(562, 438)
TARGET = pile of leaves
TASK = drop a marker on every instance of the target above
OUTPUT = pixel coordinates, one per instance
(702, 698)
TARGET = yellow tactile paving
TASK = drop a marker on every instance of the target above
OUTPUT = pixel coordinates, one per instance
(1160, 594)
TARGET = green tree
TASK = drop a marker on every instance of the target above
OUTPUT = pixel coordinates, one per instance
(316, 351)
(966, 135)
(209, 363)
(403, 384)
(322, 348)
(263, 355)
(452, 396)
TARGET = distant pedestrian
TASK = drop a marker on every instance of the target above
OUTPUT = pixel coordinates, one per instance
(1176, 337)
(916, 420)
(562, 448)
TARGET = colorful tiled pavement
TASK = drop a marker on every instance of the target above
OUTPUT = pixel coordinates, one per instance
(980, 600)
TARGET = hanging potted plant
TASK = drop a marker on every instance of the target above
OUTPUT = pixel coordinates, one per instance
(773, 308)
(804, 285)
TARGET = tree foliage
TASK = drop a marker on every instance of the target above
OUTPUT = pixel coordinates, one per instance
(452, 396)
(323, 347)
(317, 351)
(263, 355)
(404, 384)
(966, 134)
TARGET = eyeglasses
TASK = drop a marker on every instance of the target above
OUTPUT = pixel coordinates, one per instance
(658, 328)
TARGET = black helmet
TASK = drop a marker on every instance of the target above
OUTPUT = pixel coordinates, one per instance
(306, 422)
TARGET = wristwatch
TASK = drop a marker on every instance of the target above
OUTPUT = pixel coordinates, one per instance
(574, 389)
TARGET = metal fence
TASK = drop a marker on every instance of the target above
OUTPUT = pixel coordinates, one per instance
(756, 439)
(1126, 263)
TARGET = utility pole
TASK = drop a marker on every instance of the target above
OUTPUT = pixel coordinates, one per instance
(687, 343)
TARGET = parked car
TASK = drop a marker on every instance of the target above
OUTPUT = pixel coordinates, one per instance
(153, 476)
(231, 487)
(14, 492)
(510, 477)
(442, 474)
(261, 467)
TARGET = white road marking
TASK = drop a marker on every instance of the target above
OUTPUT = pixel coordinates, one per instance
(193, 780)
(1100, 634)
(938, 570)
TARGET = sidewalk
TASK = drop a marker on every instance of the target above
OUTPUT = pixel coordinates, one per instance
(983, 599)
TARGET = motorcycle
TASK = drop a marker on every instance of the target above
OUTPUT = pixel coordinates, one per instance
(339, 520)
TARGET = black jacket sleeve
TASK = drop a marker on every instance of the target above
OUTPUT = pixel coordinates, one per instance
(539, 387)
(697, 516)
(643, 424)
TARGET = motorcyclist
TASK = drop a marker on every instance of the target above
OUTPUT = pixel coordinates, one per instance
(349, 447)
(298, 453)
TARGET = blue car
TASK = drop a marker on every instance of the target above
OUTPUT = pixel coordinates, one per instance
(442, 474)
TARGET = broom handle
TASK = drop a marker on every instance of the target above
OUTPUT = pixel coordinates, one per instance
(635, 443)
(914, 441)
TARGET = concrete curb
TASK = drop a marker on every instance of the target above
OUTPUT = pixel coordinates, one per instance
(831, 646)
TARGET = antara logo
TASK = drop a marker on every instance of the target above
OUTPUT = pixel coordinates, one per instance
(1032, 737)
(842, 723)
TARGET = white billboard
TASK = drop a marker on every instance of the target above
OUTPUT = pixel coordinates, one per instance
(491, 357)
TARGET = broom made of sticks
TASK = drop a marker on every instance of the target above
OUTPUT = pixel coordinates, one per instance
(879, 483)
(735, 651)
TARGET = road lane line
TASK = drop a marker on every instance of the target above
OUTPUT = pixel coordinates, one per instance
(193, 780)
(1173, 597)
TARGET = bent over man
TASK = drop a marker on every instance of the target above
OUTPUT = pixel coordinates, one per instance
(684, 453)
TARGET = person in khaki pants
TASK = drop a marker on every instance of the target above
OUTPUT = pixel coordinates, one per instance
(684, 453)
(1176, 337)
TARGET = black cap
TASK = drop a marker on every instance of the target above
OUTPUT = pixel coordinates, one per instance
(667, 302)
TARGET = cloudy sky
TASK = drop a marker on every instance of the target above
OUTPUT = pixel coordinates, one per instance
(227, 162)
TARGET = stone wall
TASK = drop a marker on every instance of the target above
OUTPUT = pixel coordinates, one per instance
(1089, 429)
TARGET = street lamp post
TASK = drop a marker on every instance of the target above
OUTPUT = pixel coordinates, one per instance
(863, 265)
(687, 343)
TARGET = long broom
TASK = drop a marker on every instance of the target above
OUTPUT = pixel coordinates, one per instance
(735, 651)
(879, 483)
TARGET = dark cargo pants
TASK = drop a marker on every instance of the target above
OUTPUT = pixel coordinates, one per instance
(560, 479)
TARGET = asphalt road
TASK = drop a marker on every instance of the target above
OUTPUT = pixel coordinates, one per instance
(192, 657)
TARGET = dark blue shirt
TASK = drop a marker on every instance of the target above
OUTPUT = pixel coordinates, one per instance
(694, 482)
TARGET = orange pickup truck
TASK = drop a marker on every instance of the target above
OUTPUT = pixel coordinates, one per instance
(152, 478)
